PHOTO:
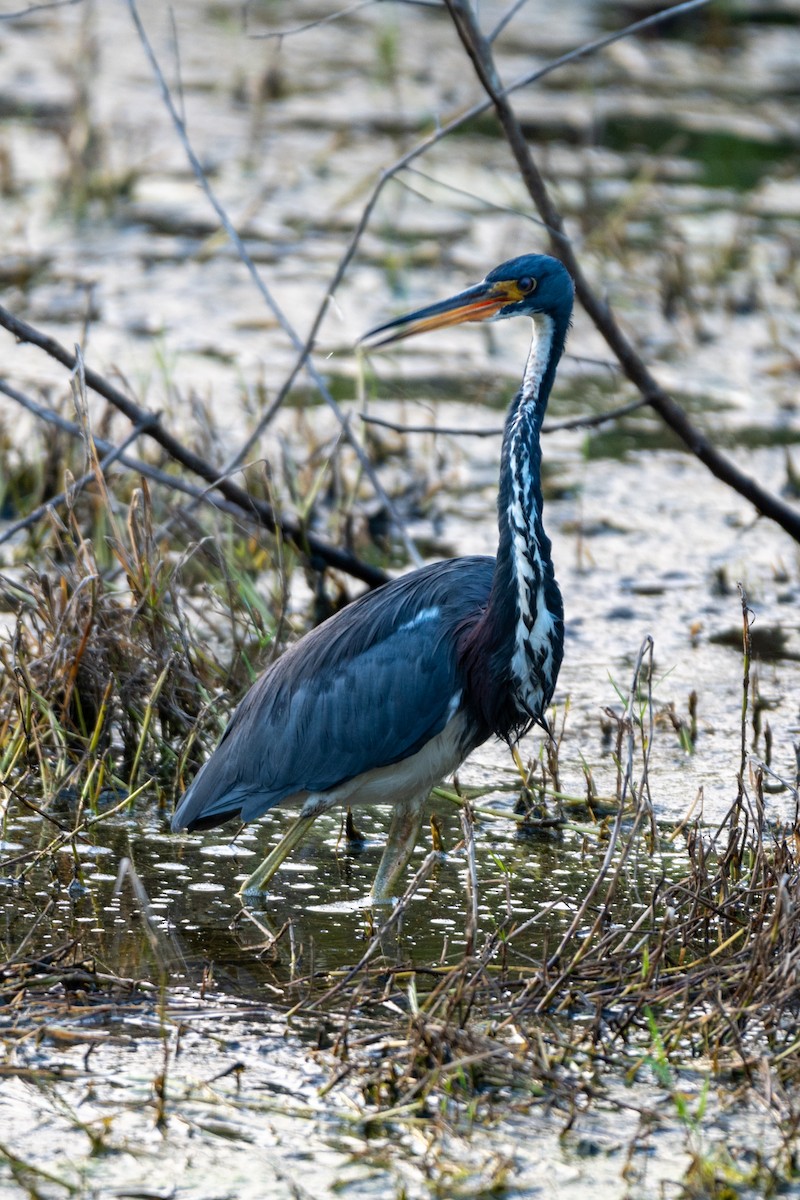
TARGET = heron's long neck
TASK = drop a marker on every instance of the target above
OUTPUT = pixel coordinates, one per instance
(523, 542)
(525, 608)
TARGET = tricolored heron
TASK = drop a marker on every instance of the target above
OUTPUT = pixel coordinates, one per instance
(391, 694)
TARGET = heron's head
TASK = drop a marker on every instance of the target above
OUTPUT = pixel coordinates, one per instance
(524, 286)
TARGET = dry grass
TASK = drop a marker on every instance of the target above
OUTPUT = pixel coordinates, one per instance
(118, 674)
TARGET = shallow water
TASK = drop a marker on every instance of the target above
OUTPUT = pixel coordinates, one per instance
(246, 1102)
(198, 1081)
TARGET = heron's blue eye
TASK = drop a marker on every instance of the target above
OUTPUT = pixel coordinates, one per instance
(526, 284)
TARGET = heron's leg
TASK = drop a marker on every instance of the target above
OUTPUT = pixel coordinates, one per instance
(262, 874)
(404, 830)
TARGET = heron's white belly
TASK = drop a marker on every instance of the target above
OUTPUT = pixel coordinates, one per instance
(411, 778)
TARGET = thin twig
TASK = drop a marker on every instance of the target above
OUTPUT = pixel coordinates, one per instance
(280, 34)
(269, 299)
(35, 8)
(506, 18)
(490, 205)
(590, 421)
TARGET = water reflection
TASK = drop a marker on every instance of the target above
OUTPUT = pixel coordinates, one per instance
(175, 910)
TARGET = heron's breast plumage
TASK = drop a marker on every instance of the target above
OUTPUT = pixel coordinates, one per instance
(538, 614)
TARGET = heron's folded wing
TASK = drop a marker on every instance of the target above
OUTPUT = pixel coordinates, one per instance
(366, 689)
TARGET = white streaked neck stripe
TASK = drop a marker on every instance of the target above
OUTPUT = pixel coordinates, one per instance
(532, 660)
(538, 356)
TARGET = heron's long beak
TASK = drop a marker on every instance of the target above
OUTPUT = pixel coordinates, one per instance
(477, 303)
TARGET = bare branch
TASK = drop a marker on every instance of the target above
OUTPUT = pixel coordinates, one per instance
(491, 205)
(656, 18)
(288, 528)
(595, 420)
(447, 430)
(507, 16)
(666, 406)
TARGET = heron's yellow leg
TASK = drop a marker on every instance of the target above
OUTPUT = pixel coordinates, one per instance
(404, 830)
(263, 873)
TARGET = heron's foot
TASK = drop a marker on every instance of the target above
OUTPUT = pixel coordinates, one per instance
(354, 836)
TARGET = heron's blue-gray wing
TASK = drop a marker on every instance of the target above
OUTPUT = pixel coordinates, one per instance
(368, 688)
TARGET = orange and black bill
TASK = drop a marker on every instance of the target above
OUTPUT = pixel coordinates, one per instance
(478, 303)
